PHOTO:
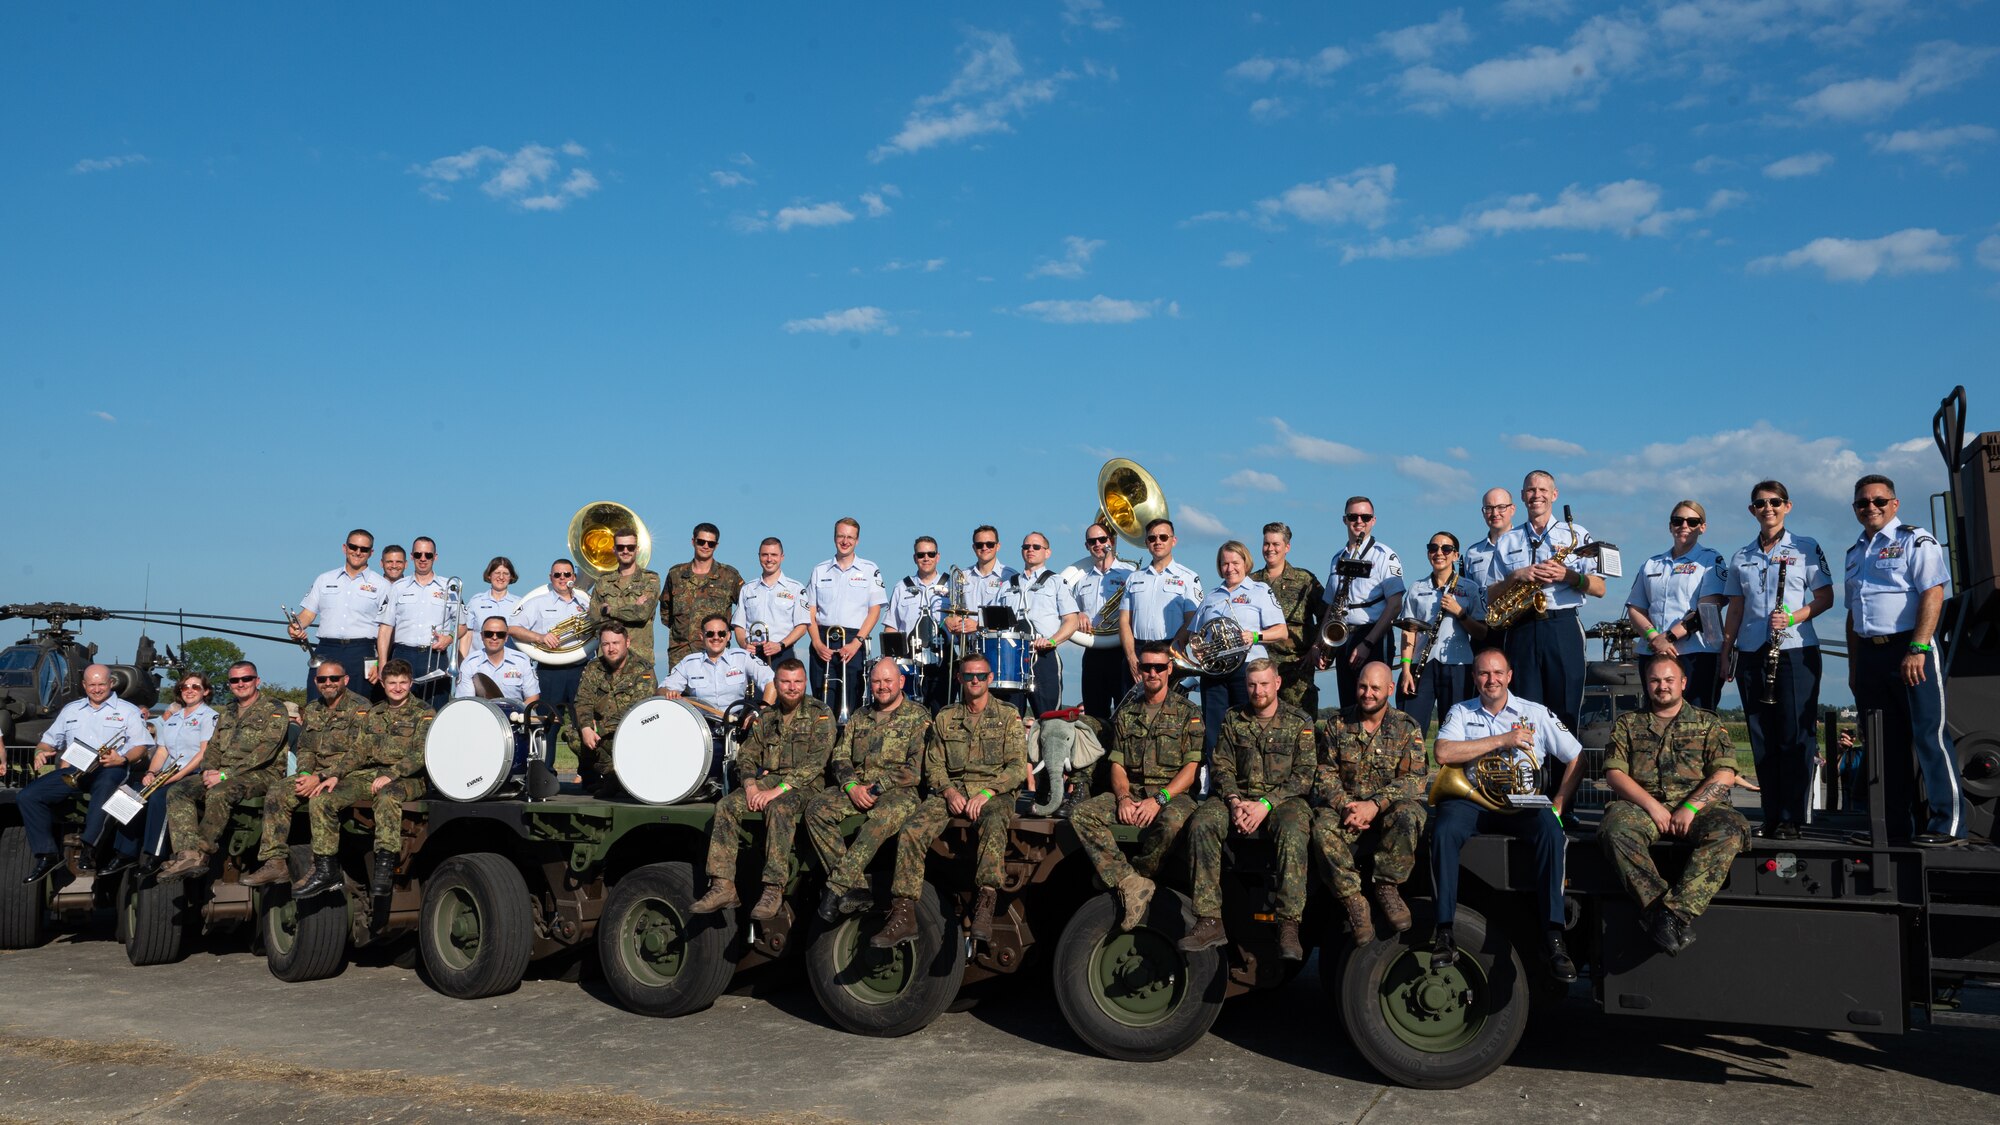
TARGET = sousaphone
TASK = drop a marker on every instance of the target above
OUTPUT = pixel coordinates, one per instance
(1128, 498)
(591, 531)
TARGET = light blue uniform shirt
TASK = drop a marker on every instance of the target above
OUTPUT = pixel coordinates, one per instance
(1668, 586)
(515, 674)
(183, 732)
(718, 682)
(1421, 602)
(907, 600)
(1366, 597)
(982, 590)
(545, 611)
(92, 725)
(1886, 574)
(1482, 561)
(1250, 603)
(842, 596)
(1093, 586)
(1160, 601)
(779, 606)
(1523, 546)
(1470, 721)
(1042, 597)
(1753, 576)
(348, 607)
(483, 605)
(416, 609)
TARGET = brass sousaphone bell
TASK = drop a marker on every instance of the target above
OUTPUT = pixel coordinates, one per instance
(591, 531)
(1128, 498)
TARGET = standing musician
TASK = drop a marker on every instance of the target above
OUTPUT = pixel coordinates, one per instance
(1454, 606)
(612, 683)
(383, 765)
(974, 763)
(985, 578)
(845, 593)
(1522, 732)
(413, 628)
(99, 717)
(877, 765)
(1299, 594)
(1156, 749)
(1895, 591)
(508, 668)
(629, 595)
(328, 726)
(1160, 597)
(774, 601)
(1369, 604)
(1767, 631)
(1041, 597)
(1546, 653)
(718, 675)
(184, 736)
(1666, 600)
(693, 590)
(782, 766)
(917, 596)
(535, 619)
(349, 603)
(495, 601)
(245, 757)
(1106, 675)
(395, 561)
(1370, 792)
(1482, 560)
(1250, 604)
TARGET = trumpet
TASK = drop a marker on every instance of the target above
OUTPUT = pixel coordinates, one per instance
(110, 745)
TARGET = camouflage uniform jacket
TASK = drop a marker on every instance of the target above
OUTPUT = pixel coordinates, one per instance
(1301, 597)
(327, 729)
(391, 741)
(885, 748)
(971, 752)
(603, 695)
(687, 597)
(1387, 766)
(1154, 748)
(628, 601)
(1671, 763)
(792, 749)
(249, 739)
(1269, 758)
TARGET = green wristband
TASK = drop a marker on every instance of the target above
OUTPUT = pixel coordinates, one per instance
(1164, 796)
(784, 785)
(987, 793)
(849, 787)
(221, 777)
(1690, 806)
(1791, 617)
(1652, 632)
(1916, 647)
(1264, 802)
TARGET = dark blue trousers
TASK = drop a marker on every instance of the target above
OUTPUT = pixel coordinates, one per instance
(1914, 740)
(433, 693)
(1218, 695)
(854, 678)
(1439, 689)
(1547, 656)
(1781, 732)
(353, 657)
(1456, 821)
(1704, 673)
(39, 799)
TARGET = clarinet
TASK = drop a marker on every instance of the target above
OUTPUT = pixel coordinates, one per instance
(1772, 657)
(1437, 624)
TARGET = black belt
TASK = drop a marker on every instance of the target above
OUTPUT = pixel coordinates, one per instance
(1902, 638)
(345, 640)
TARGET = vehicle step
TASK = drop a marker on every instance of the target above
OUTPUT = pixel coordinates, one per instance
(1966, 1019)
(1966, 909)
(1959, 965)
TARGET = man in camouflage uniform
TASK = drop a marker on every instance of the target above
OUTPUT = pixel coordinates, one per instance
(1303, 600)
(782, 767)
(876, 767)
(327, 726)
(693, 590)
(975, 762)
(1370, 792)
(1262, 770)
(246, 755)
(630, 596)
(1671, 768)
(610, 686)
(1155, 759)
(383, 765)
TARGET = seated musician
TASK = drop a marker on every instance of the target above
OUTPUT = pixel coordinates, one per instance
(1501, 724)
(782, 766)
(509, 669)
(328, 726)
(1370, 793)
(246, 756)
(975, 762)
(611, 684)
(715, 675)
(384, 765)
(876, 767)
(1262, 770)
(100, 717)
(1672, 767)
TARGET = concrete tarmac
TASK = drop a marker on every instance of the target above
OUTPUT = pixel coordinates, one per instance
(86, 1037)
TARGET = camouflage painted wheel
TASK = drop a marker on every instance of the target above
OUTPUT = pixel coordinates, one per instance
(1434, 1028)
(1134, 995)
(658, 959)
(887, 992)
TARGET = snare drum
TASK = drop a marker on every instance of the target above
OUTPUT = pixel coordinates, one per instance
(477, 749)
(913, 679)
(1006, 652)
(664, 752)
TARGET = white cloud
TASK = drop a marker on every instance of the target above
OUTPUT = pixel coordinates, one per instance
(107, 163)
(1620, 207)
(865, 319)
(1235, 260)
(103, 416)
(1931, 144)
(1529, 443)
(571, 148)
(1933, 67)
(950, 334)
(1444, 480)
(1721, 467)
(1459, 453)
(1090, 14)
(1916, 250)
(1320, 451)
(1654, 296)
(812, 215)
(1098, 310)
(1252, 479)
(521, 178)
(1765, 21)
(1988, 254)
(1313, 69)
(728, 179)
(1793, 167)
(1075, 261)
(1362, 196)
(1711, 164)
(1199, 521)
(927, 265)
(1428, 243)
(1272, 109)
(742, 159)
(1421, 41)
(990, 89)
(1537, 9)
(873, 201)
(578, 184)
(1570, 258)
(1603, 46)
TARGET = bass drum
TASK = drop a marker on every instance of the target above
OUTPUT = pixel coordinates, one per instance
(664, 752)
(476, 750)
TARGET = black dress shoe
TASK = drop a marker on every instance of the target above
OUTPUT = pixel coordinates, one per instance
(86, 863)
(43, 865)
(149, 864)
(829, 905)
(119, 862)
(1444, 950)
(1557, 959)
(1936, 840)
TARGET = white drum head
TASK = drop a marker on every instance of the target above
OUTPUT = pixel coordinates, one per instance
(662, 752)
(469, 752)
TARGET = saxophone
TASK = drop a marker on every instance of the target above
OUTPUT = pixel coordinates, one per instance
(1772, 656)
(1513, 599)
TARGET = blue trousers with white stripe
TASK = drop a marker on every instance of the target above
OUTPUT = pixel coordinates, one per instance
(1456, 821)
(1914, 739)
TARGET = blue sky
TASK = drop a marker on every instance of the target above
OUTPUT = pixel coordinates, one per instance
(930, 264)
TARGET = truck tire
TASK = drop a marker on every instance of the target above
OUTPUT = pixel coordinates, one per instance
(658, 959)
(302, 941)
(1433, 1030)
(887, 992)
(24, 919)
(154, 918)
(1136, 996)
(476, 930)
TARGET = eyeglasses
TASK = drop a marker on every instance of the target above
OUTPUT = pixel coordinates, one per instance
(1684, 521)
(423, 554)
(317, 680)
(706, 542)
(242, 679)
(975, 677)
(1496, 507)
(1440, 549)
(1358, 517)
(713, 633)
(1153, 669)
(1094, 540)
(621, 548)
(926, 554)
(1877, 502)
(361, 549)
(493, 632)
(1766, 503)
(1158, 538)
(978, 545)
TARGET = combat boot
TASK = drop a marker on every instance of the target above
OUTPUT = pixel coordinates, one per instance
(829, 904)
(382, 879)
(721, 895)
(1207, 934)
(768, 903)
(1289, 946)
(982, 915)
(901, 926)
(1135, 895)
(1359, 920)
(857, 899)
(1390, 898)
(324, 876)
(187, 861)
(274, 870)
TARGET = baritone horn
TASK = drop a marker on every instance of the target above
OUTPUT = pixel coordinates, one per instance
(591, 531)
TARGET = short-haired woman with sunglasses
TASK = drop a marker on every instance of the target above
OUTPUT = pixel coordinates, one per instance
(184, 733)
(1456, 605)
(493, 602)
(1762, 610)
(1256, 612)
(1666, 598)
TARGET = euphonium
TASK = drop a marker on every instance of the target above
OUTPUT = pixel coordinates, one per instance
(1485, 781)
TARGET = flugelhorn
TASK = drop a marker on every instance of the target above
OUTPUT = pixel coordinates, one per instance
(110, 745)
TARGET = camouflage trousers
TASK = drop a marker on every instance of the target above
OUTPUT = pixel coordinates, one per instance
(844, 860)
(280, 802)
(1291, 825)
(1093, 819)
(326, 808)
(196, 815)
(1628, 834)
(1392, 839)
(781, 827)
(928, 823)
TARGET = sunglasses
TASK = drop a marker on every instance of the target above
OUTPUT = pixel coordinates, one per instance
(1158, 538)
(1766, 503)
(316, 679)
(1034, 546)
(712, 633)
(1877, 502)
(1358, 517)
(423, 554)
(192, 687)
(926, 554)
(1685, 521)
(1440, 549)
(242, 679)
(1153, 669)
(361, 549)
(559, 575)
(621, 548)
(493, 632)
(979, 546)
(706, 542)
(1094, 540)
(975, 677)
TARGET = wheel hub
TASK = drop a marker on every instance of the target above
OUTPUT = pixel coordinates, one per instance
(653, 942)
(1138, 977)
